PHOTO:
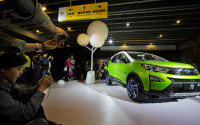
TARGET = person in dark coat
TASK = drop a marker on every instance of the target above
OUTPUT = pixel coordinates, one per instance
(19, 105)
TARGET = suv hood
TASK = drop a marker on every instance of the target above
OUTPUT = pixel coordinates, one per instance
(168, 64)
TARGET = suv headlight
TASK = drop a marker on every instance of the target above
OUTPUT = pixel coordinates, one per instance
(155, 68)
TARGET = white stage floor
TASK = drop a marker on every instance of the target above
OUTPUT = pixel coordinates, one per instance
(97, 104)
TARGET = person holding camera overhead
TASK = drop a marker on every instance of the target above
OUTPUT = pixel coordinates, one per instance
(18, 105)
(30, 10)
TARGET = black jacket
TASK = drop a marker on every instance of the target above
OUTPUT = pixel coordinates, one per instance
(18, 105)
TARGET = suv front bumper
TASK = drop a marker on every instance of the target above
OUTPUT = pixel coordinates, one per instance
(179, 88)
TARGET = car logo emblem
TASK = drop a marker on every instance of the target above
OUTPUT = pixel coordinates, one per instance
(191, 87)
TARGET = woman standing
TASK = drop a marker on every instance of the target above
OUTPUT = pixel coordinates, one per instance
(68, 70)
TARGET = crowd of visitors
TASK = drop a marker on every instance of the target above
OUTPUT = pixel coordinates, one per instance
(74, 71)
(40, 64)
(36, 68)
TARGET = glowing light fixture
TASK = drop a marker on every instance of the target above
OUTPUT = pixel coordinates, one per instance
(161, 36)
(37, 31)
(127, 24)
(124, 44)
(44, 8)
(178, 21)
(151, 43)
(69, 29)
(110, 41)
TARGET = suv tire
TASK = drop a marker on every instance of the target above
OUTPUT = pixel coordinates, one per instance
(108, 80)
(134, 90)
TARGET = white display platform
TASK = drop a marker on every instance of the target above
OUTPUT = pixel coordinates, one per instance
(77, 103)
(90, 79)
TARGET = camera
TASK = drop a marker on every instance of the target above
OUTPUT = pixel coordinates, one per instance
(60, 37)
(48, 74)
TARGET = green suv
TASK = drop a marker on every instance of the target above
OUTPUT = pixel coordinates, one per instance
(147, 74)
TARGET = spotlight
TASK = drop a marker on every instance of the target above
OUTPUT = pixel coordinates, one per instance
(37, 31)
(178, 21)
(127, 24)
(44, 8)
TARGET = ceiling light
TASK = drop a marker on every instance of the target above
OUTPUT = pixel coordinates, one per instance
(151, 43)
(69, 28)
(44, 8)
(110, 41)
(124, 44)
(161, 35)
(178, 21)
(127, 24)
(37, 31)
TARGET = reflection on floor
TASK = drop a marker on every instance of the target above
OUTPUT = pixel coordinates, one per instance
(76, 103)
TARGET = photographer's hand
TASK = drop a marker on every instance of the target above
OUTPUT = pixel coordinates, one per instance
(47, 45)
(50, 44)
(44, 83)
(60, 31)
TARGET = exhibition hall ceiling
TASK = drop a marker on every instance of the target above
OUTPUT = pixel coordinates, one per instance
(130, 22)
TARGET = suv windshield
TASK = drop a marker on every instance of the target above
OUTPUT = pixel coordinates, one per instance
(146, 56)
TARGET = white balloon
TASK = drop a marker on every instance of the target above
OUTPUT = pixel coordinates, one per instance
(61, 83)
(97, 40)
(83, 39)
(98, 27)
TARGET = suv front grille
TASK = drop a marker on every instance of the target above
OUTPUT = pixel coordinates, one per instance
(184, 80)
(183, 85)
(182, 71)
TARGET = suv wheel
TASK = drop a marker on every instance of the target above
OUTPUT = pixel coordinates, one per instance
(108, 80)
(134, 90)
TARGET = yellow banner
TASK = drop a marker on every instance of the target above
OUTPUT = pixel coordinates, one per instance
(83, 12)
